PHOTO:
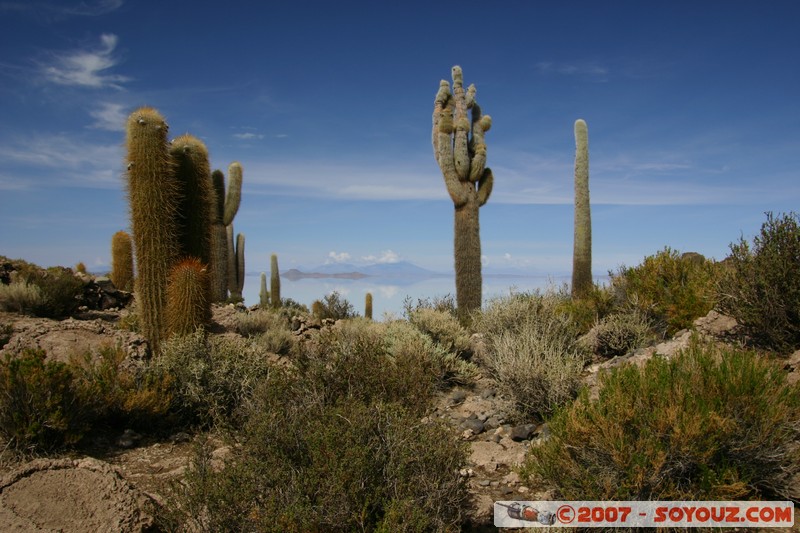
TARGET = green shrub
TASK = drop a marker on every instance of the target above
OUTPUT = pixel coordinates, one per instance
(123, 395)
(709, 424)
(585, 312)
(20, 297)
(60, 291)
(617, 334)
(210, 377)
(338, 465)
(531, 349)
(336, 307)
(670, 289)
(443, 328)
(260, 321)
(446, 303)
(41, 407)
(761, 285)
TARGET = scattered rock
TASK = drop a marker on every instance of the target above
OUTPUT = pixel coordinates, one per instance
(473, 424)
(457, 397)
(523, 432)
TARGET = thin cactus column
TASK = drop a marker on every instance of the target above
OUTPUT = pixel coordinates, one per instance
(153, 201)
(122, 261)
(460, 151)
(368, 306)
(275, 281)
(235, 264)
(194, 216)
(582, 250)
(226, 206)
(263, 294)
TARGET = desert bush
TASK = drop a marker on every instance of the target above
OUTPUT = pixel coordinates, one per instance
(60, 291)
(531, 349)
(708, 424)
(41, 407)
(446, 303)
(443, 328)
(260, 321)
(406, 342)
(123, 395)
(336, 307)
(593, 306)
(760, 286)
(321, 463)
(617, 334)
(670, 289)
(211, 377)
(20, 297)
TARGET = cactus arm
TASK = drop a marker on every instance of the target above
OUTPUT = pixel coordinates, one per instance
(462, 126)
(240, 263)
(443, 146)
(233, 197)
(485, 186)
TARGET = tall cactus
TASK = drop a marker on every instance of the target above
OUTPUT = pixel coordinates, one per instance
(235, 264)
(122, 261)
(275, 281)
(225, 208)
(368, 306)
(263, 294)
(460, 150)
(194, 216)
(152, 193)
(582, 250)
(188, 297)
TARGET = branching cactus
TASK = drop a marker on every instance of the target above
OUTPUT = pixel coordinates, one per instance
(153, 197)
(235, 264)
(275, 281)
(194, 217)
(582, 251)
(122, 261)
(368, 306)
(188, 301)
(460, 150)
(263, 294)
(226, 205)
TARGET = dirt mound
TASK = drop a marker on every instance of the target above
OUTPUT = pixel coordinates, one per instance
(71, 495)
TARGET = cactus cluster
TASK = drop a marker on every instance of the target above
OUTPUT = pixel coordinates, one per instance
(458, 134)
(235, 263)
(176, 215)
(225, 208)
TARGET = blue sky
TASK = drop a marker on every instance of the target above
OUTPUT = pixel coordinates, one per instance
(692, 108)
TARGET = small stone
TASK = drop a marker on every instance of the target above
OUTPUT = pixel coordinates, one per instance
(491, 423)
(508, 491)
(523, 432)
(495, 484)
(488, 393)
(457, 397)
(467, 434)
(484, 482)
(473, 424)
(522, 489)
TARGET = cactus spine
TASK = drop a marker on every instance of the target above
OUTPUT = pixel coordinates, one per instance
(275, 281)
(188, 298)
(368, 306)
(263, 294)
(460, 151)
(122, 261)
(582, 250)
(235, 264)
(226, 206)
(153, 201)
(194, 216)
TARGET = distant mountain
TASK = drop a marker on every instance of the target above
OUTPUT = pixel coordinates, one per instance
(401, 269)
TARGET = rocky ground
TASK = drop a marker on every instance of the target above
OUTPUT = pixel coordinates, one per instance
(116, 481)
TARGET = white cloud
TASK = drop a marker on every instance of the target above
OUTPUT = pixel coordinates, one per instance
(507, 256)
(83, 8)
(386, 256)
(340, 257)
(109, 116)
(248, 136)
(86, 68)
(589, 70)
(64, 160)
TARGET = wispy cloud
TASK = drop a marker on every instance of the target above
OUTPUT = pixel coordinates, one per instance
(587, 70)
(79, 163)
(248, 136)
(86, 67)
(337, 257)
(63, 9)
(386, 256)
(109, 116)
